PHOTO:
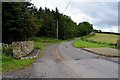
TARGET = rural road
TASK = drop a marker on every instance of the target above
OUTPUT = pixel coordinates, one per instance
(64, 61)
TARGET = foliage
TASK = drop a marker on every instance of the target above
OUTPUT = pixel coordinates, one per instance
(87, 36)
(80, 43)
(12, 21)
(19, 21)
(30, 25)
(4, 48)
(96, 31)
(9, 51)
(85, 28)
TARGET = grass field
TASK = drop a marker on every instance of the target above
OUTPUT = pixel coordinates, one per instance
(104, 38)
(80, 43)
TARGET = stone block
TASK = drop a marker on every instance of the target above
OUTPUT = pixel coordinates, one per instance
(22, 48)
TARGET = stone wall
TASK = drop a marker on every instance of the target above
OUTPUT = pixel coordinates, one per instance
(22, 48)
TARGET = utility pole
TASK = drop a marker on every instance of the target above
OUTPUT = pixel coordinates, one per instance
(57, 29)
(63, 13)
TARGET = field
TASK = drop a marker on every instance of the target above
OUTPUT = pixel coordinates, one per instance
(104, 38)
(80, 44)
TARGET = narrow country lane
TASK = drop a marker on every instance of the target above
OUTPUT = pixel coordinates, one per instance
(51, 65)
(64, 61)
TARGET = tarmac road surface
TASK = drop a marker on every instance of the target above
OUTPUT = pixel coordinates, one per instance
(64, 61)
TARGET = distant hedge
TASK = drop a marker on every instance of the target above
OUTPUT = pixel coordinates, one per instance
(109, 33)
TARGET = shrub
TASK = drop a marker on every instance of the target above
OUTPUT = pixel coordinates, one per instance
(9, 51)
(111, 44)
(4, 48)
(34, 39)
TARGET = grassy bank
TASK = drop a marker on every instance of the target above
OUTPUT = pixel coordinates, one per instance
(45, 40)
(80, 43)
(48, 40)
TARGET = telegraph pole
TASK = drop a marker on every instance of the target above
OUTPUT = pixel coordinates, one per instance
(63, 13)
(57, 29)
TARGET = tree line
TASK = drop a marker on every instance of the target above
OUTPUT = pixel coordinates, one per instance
(21, 20)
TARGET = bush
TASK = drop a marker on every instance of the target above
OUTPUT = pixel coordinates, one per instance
(34, 39)
(4, 48)
(112, 44)
(116, 44)
(84, 38)
(9, 51)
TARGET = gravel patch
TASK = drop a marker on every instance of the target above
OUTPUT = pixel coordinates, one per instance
(21, 73)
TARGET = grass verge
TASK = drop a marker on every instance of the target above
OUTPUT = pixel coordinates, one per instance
(38, 46)
(80, 44)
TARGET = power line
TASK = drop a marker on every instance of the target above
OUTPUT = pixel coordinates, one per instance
(66, 7)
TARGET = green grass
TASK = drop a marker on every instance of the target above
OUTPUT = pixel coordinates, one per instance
(9, 63)
(104, 38)
(38, 46)
(80, 43)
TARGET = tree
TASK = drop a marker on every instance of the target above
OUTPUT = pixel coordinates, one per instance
(85, 28)
(18, 22)
(12, 21)
(30, 25)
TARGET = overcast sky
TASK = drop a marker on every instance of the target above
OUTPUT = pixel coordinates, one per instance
(103, 15)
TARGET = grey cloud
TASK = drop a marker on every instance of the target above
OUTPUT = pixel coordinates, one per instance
(102, 13)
